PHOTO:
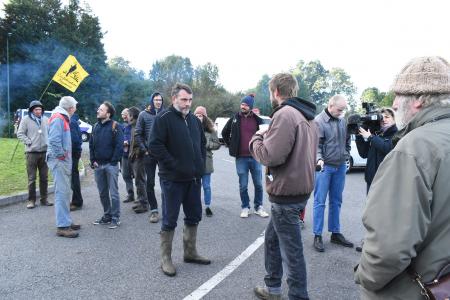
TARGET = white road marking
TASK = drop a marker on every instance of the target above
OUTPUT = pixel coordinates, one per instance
(216, 279)
(228, 160)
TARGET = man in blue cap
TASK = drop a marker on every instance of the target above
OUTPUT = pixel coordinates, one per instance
(237, 134)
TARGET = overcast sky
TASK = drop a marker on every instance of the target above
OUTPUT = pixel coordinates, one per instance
(370, 40)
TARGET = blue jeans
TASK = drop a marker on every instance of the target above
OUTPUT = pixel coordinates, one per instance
(330, 181)
(283, 244)
(243, 165)
(107, 177)
(175, 194)
(206, 183)
(61, 171)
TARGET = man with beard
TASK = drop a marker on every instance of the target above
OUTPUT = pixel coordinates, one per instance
(178, 143)
(288, 150)
(408, 206)
(146, 166)
(332, 152)
(106, 146)
(237, 134)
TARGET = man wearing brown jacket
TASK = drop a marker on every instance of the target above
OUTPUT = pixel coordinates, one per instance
(288, 150)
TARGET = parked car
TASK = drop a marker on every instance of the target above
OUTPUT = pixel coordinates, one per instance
(355, 160)
(220, 123)
(86, 128)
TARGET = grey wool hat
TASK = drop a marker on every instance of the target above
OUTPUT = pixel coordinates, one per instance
(423, 75)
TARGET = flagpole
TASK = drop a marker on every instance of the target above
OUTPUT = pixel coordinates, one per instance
(45, 89)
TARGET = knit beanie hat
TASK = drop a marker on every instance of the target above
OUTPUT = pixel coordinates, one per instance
(249, 100)
(200, 110)
(423, 75)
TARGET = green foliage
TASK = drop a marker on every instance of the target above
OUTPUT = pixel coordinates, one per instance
(381, 99)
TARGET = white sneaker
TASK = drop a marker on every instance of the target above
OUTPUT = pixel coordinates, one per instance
(244, 213)
(261, 212)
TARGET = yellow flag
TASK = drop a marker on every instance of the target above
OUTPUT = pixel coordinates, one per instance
(70, 74)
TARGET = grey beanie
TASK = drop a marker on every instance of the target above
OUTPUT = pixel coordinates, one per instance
(423, 75)
(67, 102)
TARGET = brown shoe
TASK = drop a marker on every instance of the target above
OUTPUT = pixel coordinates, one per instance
(46, 203)
(31, 204)
(154, 217)
(74, 226)
(140, 209)
(66, 232)
(74, 207)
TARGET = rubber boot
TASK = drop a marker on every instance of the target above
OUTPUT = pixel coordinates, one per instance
(189, 245)
(166, 253)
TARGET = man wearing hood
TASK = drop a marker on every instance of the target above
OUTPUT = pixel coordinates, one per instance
(408, 206)
(145, 174)
(59, 159)
(33, 133)
(288, 150)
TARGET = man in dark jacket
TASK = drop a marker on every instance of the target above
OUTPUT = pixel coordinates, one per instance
(288, 150)
(178, 143)
(77, 142)
(237, 134)
(106, 146)
(126, 169)
(145, 174)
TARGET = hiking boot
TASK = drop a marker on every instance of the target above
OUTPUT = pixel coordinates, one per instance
(136, 205)
(208, 212)
(114, 224)
(154, 217)
(102, 221)
(75, 226)
(189, 245)
(66, 232)
(46, 203)
(244, 213)
(140, 209)
(318, 243)
(31, 204)
(261, 212)
(263, 293)
(130, 198)
(166, 253)
(338, 238)
(74, 207)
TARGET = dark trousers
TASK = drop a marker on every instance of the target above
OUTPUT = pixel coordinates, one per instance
(36, 161)
(77, 198)
(175, 194)
(145, 169)
(127, 175)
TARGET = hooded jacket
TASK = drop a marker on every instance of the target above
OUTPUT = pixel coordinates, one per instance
(408, 211)
(33, 134)
(144, 123)
(288, 150)
(178, 143)
(59, 139)
(75, 133)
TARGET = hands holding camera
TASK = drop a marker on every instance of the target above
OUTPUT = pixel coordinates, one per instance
(365, 134)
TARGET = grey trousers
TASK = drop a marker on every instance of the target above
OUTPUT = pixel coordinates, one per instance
(107, 177)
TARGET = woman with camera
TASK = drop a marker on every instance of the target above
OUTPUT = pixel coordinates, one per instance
(375, 146)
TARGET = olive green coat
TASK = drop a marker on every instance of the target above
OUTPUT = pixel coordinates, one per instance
(212, 143)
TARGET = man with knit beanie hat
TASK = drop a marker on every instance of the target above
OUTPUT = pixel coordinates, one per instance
(237, 134)
(410, 190)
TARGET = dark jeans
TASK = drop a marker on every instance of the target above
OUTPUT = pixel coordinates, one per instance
(145, 169)
(283, 244)
(77, 198)
(127, 175)
(175, 194)
(36, 161)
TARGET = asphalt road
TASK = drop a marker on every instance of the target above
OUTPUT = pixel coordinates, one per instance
(124, 263)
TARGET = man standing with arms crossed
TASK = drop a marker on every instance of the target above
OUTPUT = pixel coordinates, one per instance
(333, 150)
(178, 143)
(59, 160)
(33, 133)
(288, 150)
(237, 134)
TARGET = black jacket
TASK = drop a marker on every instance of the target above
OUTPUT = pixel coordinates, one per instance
(75, 134)
(231, 133)
(179, 145)
(375, 149)
(106, 144)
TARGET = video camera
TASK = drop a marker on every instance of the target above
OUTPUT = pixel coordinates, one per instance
(370, 121)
